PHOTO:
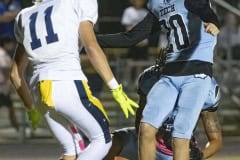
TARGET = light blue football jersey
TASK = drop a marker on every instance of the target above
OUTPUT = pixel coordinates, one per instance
(187, 38)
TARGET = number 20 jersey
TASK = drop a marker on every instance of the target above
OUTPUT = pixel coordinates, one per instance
(49, 32)
(185, 31)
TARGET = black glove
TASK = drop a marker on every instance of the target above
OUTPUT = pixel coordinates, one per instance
(196, 154)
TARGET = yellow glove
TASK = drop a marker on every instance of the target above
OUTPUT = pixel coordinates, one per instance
(126, 103)
(34, 117)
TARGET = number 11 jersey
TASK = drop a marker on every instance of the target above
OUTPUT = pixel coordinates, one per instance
(49, 33)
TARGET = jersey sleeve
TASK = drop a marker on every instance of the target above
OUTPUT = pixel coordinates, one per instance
(87, 10)
(18, 30)
(127, 39)
(203, 9)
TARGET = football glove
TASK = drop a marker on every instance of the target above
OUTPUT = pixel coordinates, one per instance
(125, 103)
(34, 117)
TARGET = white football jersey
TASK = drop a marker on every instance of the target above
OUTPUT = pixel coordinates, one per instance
(49, 33)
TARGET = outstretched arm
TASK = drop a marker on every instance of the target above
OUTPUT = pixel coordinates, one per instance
(127, 39)
(100, 63)
(213, 132)
(94, 52)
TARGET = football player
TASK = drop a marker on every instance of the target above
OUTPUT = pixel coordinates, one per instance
(124, 146)
(49, 36)
(191, 27)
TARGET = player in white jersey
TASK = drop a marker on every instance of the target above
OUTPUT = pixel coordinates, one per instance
(49, 36)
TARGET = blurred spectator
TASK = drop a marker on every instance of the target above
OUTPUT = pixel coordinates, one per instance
(8, 11)
(5, 100)
(131, 16)
(229, 37)
(9, 44)
(134, 14)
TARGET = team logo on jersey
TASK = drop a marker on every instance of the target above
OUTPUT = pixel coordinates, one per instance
(167, 10)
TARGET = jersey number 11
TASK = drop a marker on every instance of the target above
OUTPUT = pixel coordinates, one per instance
(51, 36)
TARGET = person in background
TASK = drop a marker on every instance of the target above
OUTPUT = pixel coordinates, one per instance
(5, 99)
(9, 44)
(228, 39)
(132, 16)
(8, 11)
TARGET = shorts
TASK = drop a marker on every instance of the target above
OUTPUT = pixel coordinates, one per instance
(185, 94)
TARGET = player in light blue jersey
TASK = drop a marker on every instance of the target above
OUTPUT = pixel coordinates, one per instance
(191, 27)
(185, 81)
(124, 146)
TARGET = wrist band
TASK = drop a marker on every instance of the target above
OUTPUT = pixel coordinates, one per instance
(113, 84)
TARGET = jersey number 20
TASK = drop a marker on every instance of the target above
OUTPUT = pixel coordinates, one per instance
(51, 36)
(179, 33)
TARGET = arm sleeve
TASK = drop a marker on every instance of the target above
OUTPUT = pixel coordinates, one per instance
(86, 10)
(203, 9)
(127, 39)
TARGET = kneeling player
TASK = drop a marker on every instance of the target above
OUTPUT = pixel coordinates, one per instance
(125, 140)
